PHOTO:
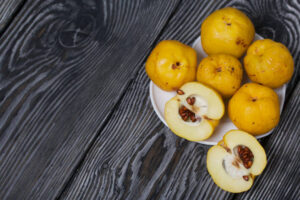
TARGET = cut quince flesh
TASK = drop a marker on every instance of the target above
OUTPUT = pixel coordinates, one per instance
(194, 112)
(235, 161)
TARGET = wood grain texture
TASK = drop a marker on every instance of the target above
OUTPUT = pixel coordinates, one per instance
(136, 157)
(63, 66)
(8, 9)
(281, 178)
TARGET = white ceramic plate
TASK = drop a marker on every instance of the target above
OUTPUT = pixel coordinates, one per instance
(160, 97)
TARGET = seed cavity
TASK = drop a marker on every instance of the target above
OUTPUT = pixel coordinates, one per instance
(233, 168)
(187, 115)
(246, 156)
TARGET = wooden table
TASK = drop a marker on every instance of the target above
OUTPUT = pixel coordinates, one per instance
(76, 120)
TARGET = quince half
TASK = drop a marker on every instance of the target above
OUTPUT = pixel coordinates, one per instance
(194, 112)
(235, 161)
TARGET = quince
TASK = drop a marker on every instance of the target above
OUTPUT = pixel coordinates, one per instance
(227, 30)
(254, 108)
(171, 64)
(194, 112)
(222, 72)
(235, 161)
(269, 63)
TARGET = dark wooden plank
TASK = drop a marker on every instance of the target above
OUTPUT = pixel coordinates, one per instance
(8, 9)
(281, 178)
(63, 66)
(135, 156)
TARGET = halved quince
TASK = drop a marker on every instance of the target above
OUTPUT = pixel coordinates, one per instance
(235, 161)
(194, 112)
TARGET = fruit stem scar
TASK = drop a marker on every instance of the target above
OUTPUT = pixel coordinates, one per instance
(176, 65)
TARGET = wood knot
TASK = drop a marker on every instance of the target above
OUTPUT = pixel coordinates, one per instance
(76, 32)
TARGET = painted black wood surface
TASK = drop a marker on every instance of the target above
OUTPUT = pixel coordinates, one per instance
(64, 65)
(76, 121)
(8, 10)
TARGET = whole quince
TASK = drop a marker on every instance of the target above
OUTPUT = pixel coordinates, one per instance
(171, 64)
(227, 30)
(222, 72)
(254, 108)
(269, 63)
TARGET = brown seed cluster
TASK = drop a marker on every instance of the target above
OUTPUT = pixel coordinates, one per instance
(246, 156)
(191, 100)
(186, 114)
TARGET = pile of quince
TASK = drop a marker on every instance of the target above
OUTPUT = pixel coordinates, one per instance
(226, 35)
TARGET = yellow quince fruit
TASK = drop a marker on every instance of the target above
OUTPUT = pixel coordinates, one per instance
(269, 63)
(222, 72)
(227, 30)
(171, 64)
(254, 108)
